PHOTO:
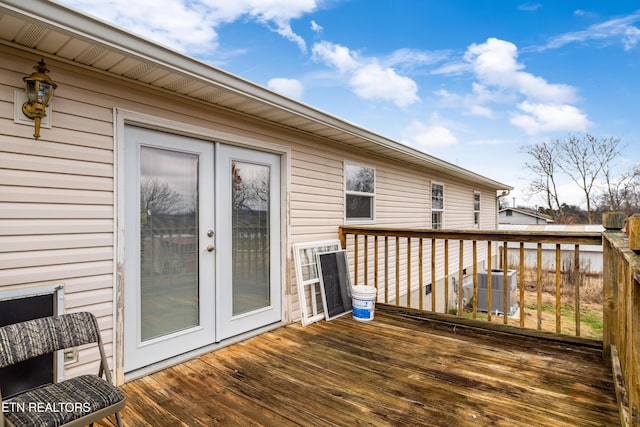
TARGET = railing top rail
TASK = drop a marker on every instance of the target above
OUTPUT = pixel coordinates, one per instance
(559, 237)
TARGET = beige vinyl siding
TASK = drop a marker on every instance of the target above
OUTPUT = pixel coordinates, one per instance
(56, 202)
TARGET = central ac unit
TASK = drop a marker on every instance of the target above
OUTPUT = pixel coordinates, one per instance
(497, 291)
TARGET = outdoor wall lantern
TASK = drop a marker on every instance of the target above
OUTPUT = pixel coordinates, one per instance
(39, 88)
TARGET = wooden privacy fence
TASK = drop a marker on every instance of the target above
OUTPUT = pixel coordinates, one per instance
(439, 270)
(621, 339)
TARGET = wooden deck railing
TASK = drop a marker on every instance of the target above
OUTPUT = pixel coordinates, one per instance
(438, 270)
(621, 341)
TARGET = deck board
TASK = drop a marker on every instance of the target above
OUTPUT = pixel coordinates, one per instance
(392, 371)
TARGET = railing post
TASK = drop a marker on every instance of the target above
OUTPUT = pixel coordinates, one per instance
(343, 237)
(613, 223)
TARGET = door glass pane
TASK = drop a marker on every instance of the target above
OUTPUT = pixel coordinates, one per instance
(250, 236)
(169, 289)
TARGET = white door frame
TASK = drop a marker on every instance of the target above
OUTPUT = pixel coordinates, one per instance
(124, 117)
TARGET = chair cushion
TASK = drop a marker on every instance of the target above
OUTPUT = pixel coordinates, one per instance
(57, 404)
(22, 341)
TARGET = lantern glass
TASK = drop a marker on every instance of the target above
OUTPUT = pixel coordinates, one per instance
(44, 92)
(30, 88)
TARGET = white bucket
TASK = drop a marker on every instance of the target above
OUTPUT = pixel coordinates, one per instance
(363, 301)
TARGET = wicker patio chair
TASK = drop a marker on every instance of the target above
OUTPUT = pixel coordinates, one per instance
(78, 401)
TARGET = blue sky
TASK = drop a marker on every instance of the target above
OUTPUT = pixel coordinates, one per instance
(470, 82)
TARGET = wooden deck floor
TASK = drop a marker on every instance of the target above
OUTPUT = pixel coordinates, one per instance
(391, 371)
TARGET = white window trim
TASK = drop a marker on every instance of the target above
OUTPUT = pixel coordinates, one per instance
(479, 210)
(443, 203)
(358, 193)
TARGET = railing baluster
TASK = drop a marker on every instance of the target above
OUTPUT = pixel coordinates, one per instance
(397, 270)
(408, 271)
(366, 260)
(506, 286)
(355, 255)
(578, 281)
(460, 274)
(433, 275)
(386, 269)
(539, 286)
(446, 275)
(375, 262)
(489, 284)
(475, 279)
(558, 288)
(420, 274)
(521, 284)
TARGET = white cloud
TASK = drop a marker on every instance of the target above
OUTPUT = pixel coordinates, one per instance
(495, 63)
(474, 103)
(452, 68)
(529, 7)
(631, 38)
(429, 135)
(334, 55)
(190, 25)
(410, 59)
(288, 87)
(367, 78)
(502, 80)
(537, 118)
(171, 23)
(618, 28)
(315, 27)
(374, 82)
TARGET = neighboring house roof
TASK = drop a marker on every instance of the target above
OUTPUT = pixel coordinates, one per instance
(528, 212)
(75, 38)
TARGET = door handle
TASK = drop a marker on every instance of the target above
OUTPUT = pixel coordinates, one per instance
(210, 248)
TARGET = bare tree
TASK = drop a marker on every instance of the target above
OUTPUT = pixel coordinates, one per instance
(158, 198)
(584, 160)
(543, 165)
(250, 189)
(622, 193)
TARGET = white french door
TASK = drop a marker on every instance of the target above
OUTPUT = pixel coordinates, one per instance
(248, 223)
(202, 244)
(169, 271)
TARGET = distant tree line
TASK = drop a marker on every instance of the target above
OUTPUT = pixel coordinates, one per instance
(592, 164)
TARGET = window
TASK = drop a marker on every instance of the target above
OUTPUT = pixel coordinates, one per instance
(476, 209)
(509, 213)
(437, 206)
(360, 185)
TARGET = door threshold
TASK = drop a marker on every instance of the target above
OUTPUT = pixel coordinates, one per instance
(164, 364)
